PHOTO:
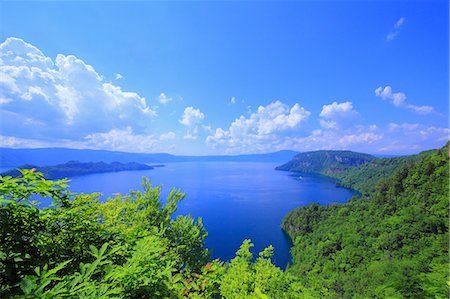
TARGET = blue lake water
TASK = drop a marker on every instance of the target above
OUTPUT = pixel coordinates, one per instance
(236, 200)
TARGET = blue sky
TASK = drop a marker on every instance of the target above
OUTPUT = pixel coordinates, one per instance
(226, 77)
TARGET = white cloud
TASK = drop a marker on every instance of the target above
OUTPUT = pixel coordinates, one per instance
(15, 142)
(360, 138)
(366, 138)
(392, 35)
(399, 23)
(19, 142)
(337, 115)
(398, 99)
(191, 117)
(439, 134)
(167, 136)
(397, 26)
(17, 52)
(399, 148)
(233, 100)
(420, 131)
(395, 138)
(67, 95)
(164, 99)
(262, 130)
(413, 137)
(394, 127)
(122, 140)
(420, 109)
(192, 133)
(118, 76)
(190, 136)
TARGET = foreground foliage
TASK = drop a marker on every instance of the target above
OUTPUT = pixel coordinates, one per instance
(392, 244)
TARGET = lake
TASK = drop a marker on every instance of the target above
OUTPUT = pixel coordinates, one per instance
(236, 200)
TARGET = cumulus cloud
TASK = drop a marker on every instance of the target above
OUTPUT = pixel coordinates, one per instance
(337, 115)
(413, 137)
(164, 99)
(67, 95)
(262, 130)
(18, 142)
(396, 30)
(31, 142)
(366, 138)
(118, 76)
(398, 99)
(191, 117)
(233, 100)
(363, 138)
(167, 136)
(394, 127)
(420, 131)
(122, 140)
(191, 134)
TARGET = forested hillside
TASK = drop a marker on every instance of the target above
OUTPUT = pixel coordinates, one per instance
(393, 244)
(357, 171)
(365, 177)
(325, 162)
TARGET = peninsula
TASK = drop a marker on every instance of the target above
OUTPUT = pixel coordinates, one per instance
(76, 168)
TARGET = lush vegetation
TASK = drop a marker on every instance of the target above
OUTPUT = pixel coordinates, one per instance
(393, 244)
(365, 177)
(76, 168)
(325, 162)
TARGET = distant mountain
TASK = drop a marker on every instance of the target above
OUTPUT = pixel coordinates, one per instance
(325, 162)
(52, 156)
(76, 168)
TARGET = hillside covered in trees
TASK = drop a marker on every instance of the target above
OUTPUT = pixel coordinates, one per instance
(391, 244)
(357, 171)
(365, 177)
(325, 162)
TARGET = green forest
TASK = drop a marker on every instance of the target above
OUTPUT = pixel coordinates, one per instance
(365, 177)
(392, 243)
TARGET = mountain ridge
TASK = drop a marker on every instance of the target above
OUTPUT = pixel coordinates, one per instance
(50, 156)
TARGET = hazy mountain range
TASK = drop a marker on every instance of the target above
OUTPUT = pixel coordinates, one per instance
(52, 156)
